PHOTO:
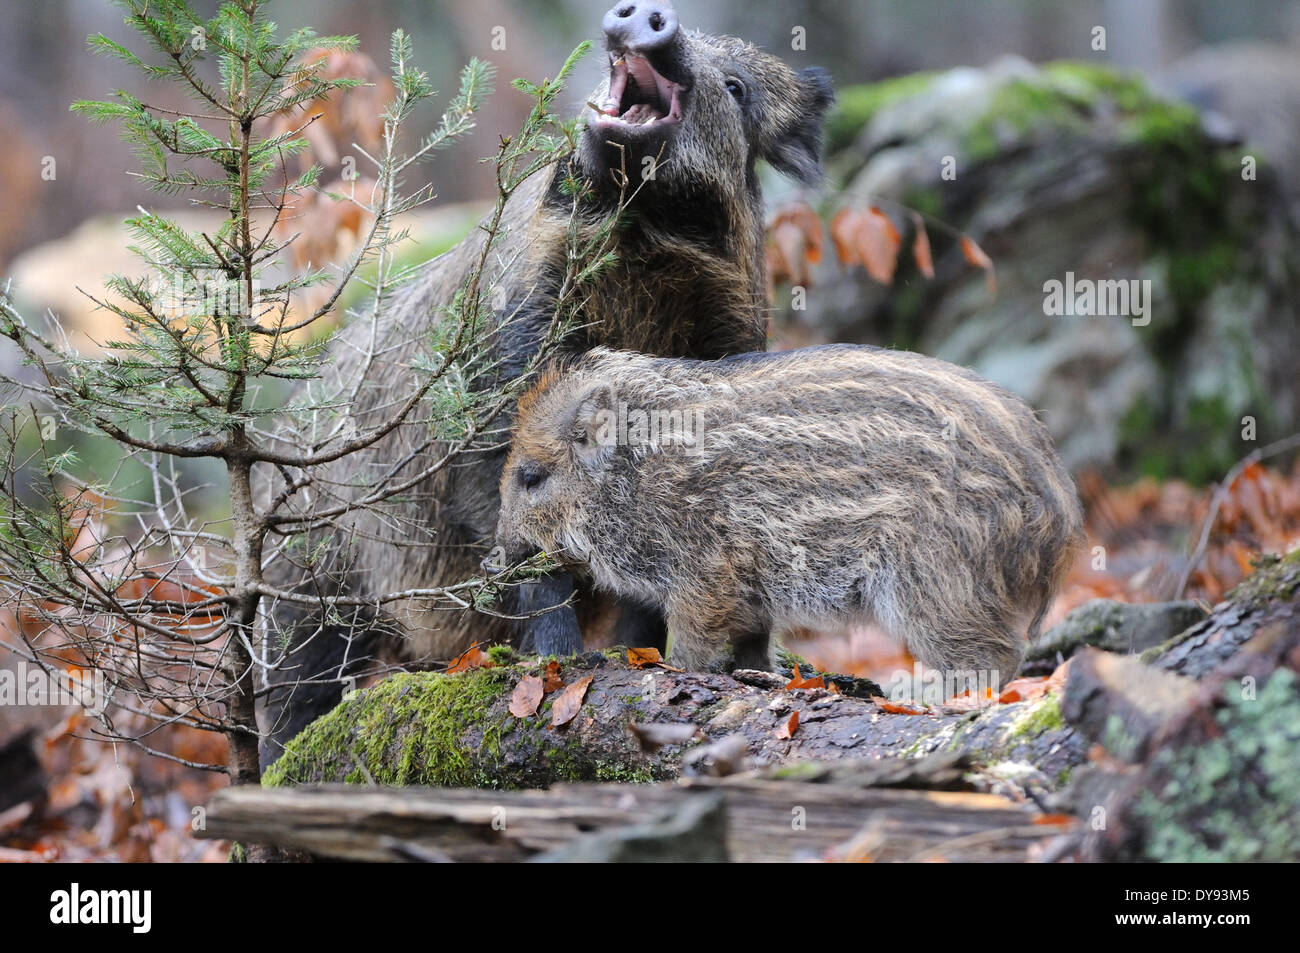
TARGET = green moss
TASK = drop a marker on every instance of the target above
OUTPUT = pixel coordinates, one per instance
(448, 730)
(1067, 97)
(501, 654)
(1019, 108)
(624, 773)
(1274, 578)
(799, 771)
(408, 729)
(925, 199)
(1038, 716)
(1082, 80)
(856, 105)
(1161, 124)
(787, 660)
(1234, 797)
(1117, 740)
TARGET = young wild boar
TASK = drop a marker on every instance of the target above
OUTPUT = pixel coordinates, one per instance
(688, 282)
(817, 487)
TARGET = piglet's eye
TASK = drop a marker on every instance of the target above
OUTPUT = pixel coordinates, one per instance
(531, 477)
(736, 88)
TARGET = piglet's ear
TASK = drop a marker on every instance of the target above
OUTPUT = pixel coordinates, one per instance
(797, 149)
(593, 426)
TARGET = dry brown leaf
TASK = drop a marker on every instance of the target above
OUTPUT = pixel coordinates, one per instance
(807, 218)
(921, 248)
(788, 729)
(976, 256)
(789, 254)
(569, 703)
(893, 708)
(841, 236)
(794, 245)
(1053, 820)
(798, 681)
(551, 678)
(867, 237)
(526, 697)
(472, 657)
(970, 701)
(640, 658)
(644, 658)
(1023, 689)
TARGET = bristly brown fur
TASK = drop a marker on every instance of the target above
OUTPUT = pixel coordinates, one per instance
(688, 281)
(829, 485)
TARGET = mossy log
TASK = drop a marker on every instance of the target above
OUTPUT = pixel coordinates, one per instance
(457, 730)
(1201, 734)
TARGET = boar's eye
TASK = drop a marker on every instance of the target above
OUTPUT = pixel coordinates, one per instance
(531, 476)
(736, 88)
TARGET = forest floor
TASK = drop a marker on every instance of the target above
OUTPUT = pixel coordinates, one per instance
(115, 803)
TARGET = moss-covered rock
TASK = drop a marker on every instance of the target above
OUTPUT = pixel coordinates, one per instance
(1075, 168)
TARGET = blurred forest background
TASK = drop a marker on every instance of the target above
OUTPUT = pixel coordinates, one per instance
(1117, 163)
(44, 65)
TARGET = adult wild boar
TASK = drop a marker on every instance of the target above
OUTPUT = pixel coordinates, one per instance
(688, 282)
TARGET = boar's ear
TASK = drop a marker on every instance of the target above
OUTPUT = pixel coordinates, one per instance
(593, 427)
(797, 148)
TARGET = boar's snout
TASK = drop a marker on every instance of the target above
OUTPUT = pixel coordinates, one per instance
(509, 551)
(640, 26)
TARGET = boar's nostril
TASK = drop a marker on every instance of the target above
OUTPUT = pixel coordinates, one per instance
(640, 27)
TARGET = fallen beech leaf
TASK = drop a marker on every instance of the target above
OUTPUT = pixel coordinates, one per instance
(921, 248)
(552, 681)
(968, 701)
(644, 658)
(1023, 689)
(893, 708)
(1053, 820)
(472, 657)
(975, 255)
(526, 697)
(798, 681)
(569, 703)
(1056, 681)
(789, 728)
(640, 658)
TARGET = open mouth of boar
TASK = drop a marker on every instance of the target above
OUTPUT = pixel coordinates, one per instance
(639, 97)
